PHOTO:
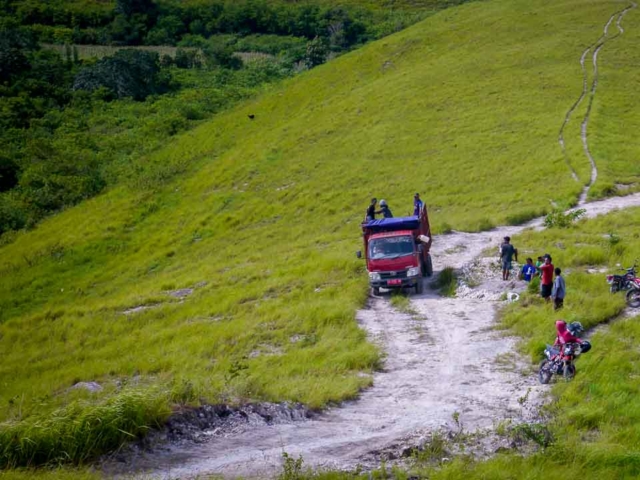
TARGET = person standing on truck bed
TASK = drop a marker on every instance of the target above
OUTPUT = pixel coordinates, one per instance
(371, 210)
(385, 210)
(417, 204)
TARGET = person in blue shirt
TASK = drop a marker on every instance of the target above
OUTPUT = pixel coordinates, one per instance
(528, 270)
(417, 204)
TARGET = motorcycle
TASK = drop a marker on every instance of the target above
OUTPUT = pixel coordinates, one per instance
(622, 282)
(561, 361)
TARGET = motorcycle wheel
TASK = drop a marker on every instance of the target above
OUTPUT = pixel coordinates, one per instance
(613, 288)
(569, 371)
(545, 374)
(633, 298)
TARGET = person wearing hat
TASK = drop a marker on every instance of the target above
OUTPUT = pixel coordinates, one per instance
(417, 204)
(385, 210)
(507, 253)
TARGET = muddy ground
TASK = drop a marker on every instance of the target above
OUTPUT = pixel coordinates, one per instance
(446, 368)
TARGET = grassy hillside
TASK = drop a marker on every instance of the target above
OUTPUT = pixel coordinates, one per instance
(261, 219)
(615, 115)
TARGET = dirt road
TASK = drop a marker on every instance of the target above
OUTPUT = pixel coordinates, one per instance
(442, 360)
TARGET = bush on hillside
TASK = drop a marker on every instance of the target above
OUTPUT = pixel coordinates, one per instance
(271, 44)
(129, 73)
(558, 218)
(317, 52)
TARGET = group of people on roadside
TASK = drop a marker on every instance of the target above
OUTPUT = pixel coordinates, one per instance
(550, 288)
(385, 211)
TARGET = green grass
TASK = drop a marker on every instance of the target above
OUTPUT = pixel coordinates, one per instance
(262, 217)
(613, 119)
(447, 282)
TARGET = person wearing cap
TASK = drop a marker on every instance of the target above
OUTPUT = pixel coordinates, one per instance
(385, 210)
(417, 204)
(507, 253)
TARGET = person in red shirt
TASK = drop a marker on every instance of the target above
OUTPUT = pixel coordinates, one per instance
(546, 278)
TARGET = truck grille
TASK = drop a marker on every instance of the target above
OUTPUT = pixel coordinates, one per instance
(387, 275)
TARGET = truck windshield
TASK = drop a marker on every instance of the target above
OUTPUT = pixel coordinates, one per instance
(390, 247)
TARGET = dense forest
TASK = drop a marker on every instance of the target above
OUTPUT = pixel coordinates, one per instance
(71, 126)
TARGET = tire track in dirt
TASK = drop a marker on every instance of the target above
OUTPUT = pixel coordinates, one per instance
(444, 359)
(595, 47)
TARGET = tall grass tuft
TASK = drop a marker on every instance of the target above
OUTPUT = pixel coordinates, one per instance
(79, 432)
(447, 282)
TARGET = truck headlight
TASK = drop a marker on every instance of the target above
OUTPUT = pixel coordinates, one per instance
(375, 276)
(413, 272)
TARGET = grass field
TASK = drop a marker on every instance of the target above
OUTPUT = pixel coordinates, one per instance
(261, 219)
(614, 115)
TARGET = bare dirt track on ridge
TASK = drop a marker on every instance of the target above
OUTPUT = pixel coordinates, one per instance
(439, 361)
(595, 49)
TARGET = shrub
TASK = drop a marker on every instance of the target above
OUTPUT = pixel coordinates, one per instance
(272, 44)
(128, 73)
(558, 218)
(317, 52)
(447, 282)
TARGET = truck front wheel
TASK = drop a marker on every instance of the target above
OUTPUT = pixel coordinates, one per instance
(375, 290)
(419, 288)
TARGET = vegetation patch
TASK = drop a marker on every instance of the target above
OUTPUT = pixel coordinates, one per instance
(447, 282)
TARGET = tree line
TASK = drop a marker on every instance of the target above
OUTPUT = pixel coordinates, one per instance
(146, 22)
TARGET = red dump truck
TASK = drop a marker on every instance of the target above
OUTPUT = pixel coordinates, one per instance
(397, 251)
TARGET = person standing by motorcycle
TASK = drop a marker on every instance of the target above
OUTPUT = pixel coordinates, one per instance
(507, 253)
(546, 278)
(559, 290)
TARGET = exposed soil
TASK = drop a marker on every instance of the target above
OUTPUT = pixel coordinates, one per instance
(445, 368)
